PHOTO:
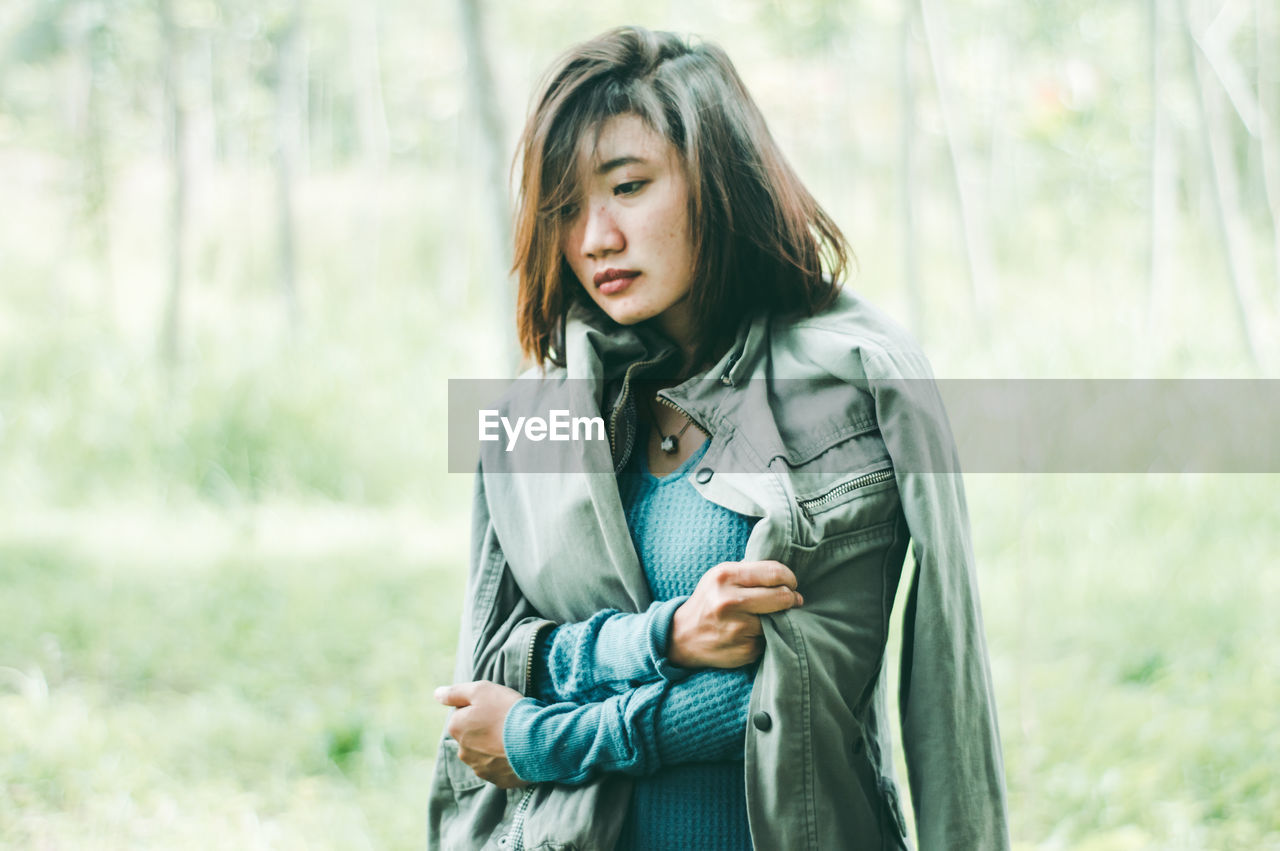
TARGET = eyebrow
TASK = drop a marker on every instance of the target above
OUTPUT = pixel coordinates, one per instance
(618, 162)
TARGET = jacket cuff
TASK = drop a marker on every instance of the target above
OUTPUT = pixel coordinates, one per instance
(516, 657)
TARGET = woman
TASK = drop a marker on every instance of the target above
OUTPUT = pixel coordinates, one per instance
(690, 654)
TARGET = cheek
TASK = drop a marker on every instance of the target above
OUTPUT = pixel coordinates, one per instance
(580, 275)
(569, 248)
(676, 232)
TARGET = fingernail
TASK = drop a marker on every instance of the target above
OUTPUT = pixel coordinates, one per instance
(799, 599)
(440, 693)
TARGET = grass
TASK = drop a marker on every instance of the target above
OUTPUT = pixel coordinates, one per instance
(221, 692)
(1132, 632)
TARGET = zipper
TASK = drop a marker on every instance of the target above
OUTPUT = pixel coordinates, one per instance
(875, 477)
(664, 400)
(622, 400)
(514, 839)
(528, 664)
(625, 454)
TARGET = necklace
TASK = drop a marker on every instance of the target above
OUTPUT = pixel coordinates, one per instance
(670, 442)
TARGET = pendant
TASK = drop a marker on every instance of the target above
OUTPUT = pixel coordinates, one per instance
(669, 444)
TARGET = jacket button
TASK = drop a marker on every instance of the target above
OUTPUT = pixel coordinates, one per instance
(703, 476)
(726, 380)
(762, 721)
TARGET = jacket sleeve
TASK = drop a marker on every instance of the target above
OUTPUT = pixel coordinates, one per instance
(496, 611)
(947, 704)
(700, 719)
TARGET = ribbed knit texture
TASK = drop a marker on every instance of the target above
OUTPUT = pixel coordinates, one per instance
(682, 731)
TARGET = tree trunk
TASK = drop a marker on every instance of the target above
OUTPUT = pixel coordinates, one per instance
(371, 119)
(208, 105)
(907, 175)
(971, 231)
(171, 334)
(1267, 37)
(1222, 185)
(285, 160)
(302, 67)
(1160, 197)
(483, 93)
(96, 190)
(366, 62)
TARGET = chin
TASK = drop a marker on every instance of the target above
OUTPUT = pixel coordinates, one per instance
(625, 316)
(628, 318)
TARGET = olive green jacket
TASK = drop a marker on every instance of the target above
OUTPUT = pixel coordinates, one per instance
(828, 429)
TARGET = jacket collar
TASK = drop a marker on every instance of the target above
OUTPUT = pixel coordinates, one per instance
(601, 350)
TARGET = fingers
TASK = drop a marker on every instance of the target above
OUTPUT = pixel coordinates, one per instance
(459, 728)
(754, 587)
(759, 587)
(458, 694)
(750, 574)
(763, 601)
(496, 771)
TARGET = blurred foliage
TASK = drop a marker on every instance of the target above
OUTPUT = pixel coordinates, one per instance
(219, 689)
(181, 667)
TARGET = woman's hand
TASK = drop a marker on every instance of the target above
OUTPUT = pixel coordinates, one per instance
(477, 726)
(719, 626)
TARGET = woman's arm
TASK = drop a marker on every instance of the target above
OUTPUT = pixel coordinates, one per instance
(719, 626)
(700, 719)
(613, 652)
(608, 654)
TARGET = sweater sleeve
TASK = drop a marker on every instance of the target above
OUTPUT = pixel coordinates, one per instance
(700, 719)
(608, 654)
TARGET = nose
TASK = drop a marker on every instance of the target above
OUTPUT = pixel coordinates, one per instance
(601, 235)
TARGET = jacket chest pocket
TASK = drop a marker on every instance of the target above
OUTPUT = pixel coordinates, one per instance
(843, 491)
(842, 487)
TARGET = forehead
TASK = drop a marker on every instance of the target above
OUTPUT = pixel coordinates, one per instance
(620, 140)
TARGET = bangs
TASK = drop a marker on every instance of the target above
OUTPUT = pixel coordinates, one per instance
(573, 137)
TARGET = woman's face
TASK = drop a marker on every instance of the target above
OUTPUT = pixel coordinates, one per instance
(629, 242)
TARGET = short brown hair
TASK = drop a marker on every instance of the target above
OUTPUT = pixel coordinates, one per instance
(761, 242)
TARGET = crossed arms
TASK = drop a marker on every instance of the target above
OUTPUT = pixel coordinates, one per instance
(628, 692)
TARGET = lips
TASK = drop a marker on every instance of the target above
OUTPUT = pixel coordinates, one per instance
(611, 281)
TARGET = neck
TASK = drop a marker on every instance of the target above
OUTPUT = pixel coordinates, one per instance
(683, 337)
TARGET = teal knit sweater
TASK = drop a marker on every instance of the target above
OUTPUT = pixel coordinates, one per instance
(608, 700)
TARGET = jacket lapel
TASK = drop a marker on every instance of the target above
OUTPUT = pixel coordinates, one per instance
(563, 529)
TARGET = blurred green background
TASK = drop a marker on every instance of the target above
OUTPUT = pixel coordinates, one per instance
(244, 246)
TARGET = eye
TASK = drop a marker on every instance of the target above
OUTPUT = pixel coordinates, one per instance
(631, 187)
